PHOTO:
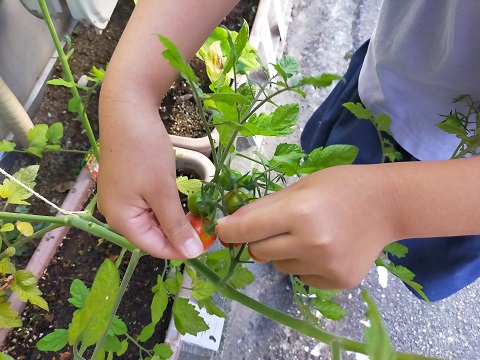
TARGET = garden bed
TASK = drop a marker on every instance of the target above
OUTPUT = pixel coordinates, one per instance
(81, 253)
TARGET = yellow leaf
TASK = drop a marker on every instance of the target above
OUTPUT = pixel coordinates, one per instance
(25, 228)
(7, 227)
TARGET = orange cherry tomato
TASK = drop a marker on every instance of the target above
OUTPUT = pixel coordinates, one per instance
(196, 222)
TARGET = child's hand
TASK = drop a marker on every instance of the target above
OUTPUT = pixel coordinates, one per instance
(329, 227)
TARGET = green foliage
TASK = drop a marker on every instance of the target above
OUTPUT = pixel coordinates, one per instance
(25, 285)
(378, 343)
(16, 193)
(187, 186)
(187, 318)
(90, 322)
(54, 341)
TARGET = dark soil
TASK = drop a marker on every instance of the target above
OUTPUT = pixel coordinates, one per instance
(81, 254)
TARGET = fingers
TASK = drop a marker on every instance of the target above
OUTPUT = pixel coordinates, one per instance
(259, 220)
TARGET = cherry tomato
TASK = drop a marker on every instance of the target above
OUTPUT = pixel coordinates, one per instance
(254, 257)
(207, 240)
(197, 205)
(229, 179)
(234, 200)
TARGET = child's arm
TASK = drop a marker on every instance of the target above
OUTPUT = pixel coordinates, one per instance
(137, 167)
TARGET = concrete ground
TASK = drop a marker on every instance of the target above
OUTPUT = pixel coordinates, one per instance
(323, 35)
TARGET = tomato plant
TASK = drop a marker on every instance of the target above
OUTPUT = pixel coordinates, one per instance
(198, 226)
(234, 200)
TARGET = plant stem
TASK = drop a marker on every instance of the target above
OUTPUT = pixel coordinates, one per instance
(69, 77)
(132, 264)
(336, 351)
(137, 344)
(301, 326)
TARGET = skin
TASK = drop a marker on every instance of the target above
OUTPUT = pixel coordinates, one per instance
(328, 227)
(137, 161)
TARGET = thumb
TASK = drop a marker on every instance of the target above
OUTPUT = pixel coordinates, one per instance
(179, 231)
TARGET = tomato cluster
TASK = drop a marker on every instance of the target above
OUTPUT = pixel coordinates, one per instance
(198, 226)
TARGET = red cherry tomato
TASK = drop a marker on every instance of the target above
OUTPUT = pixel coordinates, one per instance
(207, 240)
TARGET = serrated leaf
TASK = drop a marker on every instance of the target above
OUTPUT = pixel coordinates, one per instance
(163, 351)
(278, 123)
(91, 321)
(320, 81)
(8, 317)
(172, 285)
(358, 110)
(7, 146)
(187, 186)
(187, 318)
(79, 292)
(286, 159)
(333, 155)
(118, 327)
(54, 341)
(55, 133)
(396, 249)
(159, 303)
(61, 82)
(452, 125)
(177, 60)
(330, 309)
(287, 66)
(382, 122)
(241, 278)
(24, 284)
(34, 150)
(377, 340)
(211, 308)
(25, 228)
(25, 278)
(202, 289)
(37, 136)
(6, 266)
(112, 344)
(15, 193)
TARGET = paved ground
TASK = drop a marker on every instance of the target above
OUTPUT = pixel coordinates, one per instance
(323, 35)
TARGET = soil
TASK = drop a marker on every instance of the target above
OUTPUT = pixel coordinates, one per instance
(81, 254)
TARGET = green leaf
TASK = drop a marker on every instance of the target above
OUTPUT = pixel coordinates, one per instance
(61, 82)
(5, 357)
(286, 159)
(211, 308)
(147, 332)
(382, 122)
(112, 344)
(25, 228)
(377, 340)
(163, 351)
(187, 318)
(333, 155)
(37, 136)
(329, 309)
(202, 289)
(452, 125)
(7, 267)
(358, 110)
(37, 151)
(55, 133)
(241, 278)
(7, 227)
(54, 341)
(24, 284)
(7, 146)
(15, 193)
(124, 348)
(187, 186)
(91, 322)
(177, 60)
(320, 81)
(396, 249)
(172, 285)
(74, 105)
(287, 66)
(118, 326)
(8, 317)
(159, 303)
(79, 292)
(228, 98)
(278, 123)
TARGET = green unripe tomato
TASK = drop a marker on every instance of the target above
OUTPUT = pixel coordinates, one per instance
(198, 205)
(234, 200)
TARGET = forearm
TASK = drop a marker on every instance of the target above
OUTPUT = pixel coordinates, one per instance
(137, 71)
(431, 199)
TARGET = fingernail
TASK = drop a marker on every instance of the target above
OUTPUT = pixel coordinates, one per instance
(193, 247)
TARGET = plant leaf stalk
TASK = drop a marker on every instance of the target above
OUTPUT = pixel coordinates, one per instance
(299, 325)
(69, 77)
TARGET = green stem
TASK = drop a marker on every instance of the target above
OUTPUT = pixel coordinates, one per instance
(301, 326)
(69, 77)
(336, 351)
(233, 264)
(75, 221)
(132, 264)
(137, 344)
